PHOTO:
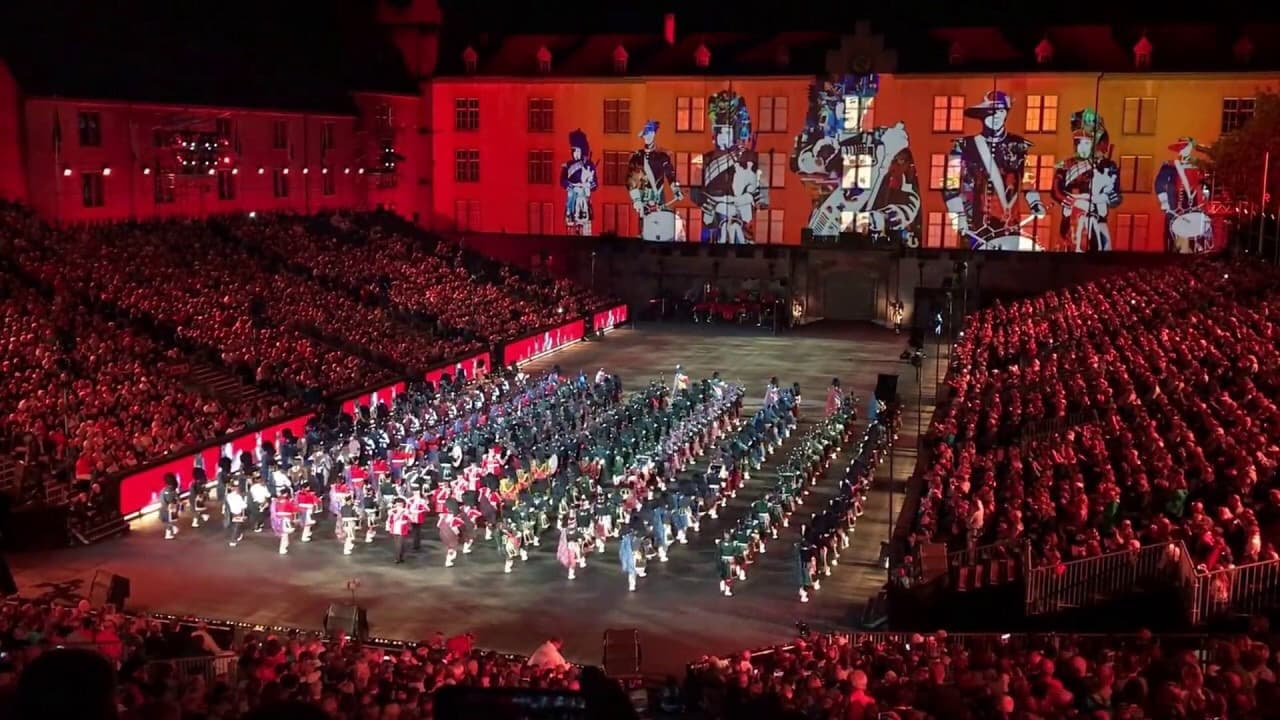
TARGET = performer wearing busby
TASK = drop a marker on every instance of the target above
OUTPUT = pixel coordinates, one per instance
(199, 495)
(235, 506)
(170, 505)
(771, 393)
(307, 503)
(660, 542)
(510, 546)
(806, 569)
(680, 381)
(490, 504)
(451, 528)
(627, 557)
(284, 513)
(569, 553)
(259, 500)
(348, 523)
(398, 526)
(418, 508)
(370, 509)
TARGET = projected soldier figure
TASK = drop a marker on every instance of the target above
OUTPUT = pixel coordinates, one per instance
(731, 191)
(578, 178)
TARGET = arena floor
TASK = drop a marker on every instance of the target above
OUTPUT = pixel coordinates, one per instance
(677, 608)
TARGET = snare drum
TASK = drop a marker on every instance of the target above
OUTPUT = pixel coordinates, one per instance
(1191, 231)
(1013, 243)
(663, 226)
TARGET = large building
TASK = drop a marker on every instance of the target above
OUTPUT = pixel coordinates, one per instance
(1084, 136)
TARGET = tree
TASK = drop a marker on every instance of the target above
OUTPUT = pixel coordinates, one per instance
(1236, 158)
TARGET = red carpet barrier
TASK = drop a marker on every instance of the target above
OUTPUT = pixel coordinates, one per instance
(543, 342)
(608, 319)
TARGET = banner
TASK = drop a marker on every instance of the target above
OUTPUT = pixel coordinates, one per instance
(539, 344)
(476, 365)
(142, 489)
(609, 319)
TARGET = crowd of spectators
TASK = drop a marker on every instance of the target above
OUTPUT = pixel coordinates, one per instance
(1133, 410)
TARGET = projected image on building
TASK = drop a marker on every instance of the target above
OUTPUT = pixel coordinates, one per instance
(1087, 186)
(652, 186)
(1183, 193)
(990, 206)
(862, 178)
(731, 191)
(579, 179)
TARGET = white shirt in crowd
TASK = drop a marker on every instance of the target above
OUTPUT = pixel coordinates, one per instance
(547, 656)
(236, 504)
(259, 493)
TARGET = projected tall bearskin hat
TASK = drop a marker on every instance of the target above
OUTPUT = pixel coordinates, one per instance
(728, 108)
(1088, 123)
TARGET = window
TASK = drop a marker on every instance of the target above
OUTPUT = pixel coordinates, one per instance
(617, 219)
(541, 115)
(617, 115)
(90, 124)
(770, 226)
(1042, 113)
(858, 113)
(327, 130)
(226, 185)
(280, 182)
(539, 167)
(466, 215)
(940, 231)
(773, 114)
(689, 169)
(1038, 172)
(466, 114)
(1136, 173)
(542, 218)
(691, 219)
(948, 113)
(773, 169)
(91, 189)
(162, 186)
(944, 172)
(1139, 116)
(327, 181)
(616, 167)
(857, 171)
(1236, 112)
(1129, 231)
(280, 135)
(691, 114)
(466, 165)
(859, 222)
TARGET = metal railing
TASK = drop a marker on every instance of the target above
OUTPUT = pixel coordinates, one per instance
(1004, 549)
(1243, 589)
(1096, 580)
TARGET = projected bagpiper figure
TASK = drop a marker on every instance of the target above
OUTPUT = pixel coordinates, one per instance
(731, 189)
(649, 174)
(578, 178)
(985, 205)
(1181, 188)
(1087, 186)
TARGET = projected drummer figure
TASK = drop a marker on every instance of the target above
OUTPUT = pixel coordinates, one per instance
(730, 192)
(987, 203)
(1087, 186)
(650, 173)
(578, 178)
(862, 179)
(1181, 188)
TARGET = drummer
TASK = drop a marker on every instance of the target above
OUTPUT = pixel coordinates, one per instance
(649, 173)
(1180, 186)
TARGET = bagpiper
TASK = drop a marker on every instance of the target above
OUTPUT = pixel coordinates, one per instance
(283, 517)
(170, 505)
(627, 558)
(398, 526)
(510, 546)
(348, 523)
(450, 527)
(307, 503)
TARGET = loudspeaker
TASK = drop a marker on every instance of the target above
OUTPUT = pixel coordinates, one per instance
(622, 652)
(109, 589)
(886, 388)
(7, 585)
(349, 619)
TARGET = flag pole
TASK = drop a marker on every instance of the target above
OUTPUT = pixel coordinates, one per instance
(1262, 197)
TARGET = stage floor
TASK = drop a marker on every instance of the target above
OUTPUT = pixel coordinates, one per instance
(677, 609)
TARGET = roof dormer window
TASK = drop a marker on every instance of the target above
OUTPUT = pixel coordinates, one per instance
(620, 60)
(1142, 53)
(702, 56)
(470, 60)
(544, 60)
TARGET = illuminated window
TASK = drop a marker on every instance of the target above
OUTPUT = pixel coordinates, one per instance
(770, 226)
(1042, 113)
(1139, 116)
(692, 219)
(859, 112)
(227, 185)
(90, 125)
(1037, 173)
(940, 231)
(857, 171)
(466, 165)
(689, 169)
(280, 134)
(327, 131)
(1129, 231)
(616, 218)
(92, 191)
(691, 114)
(327, 182)
(540, 167)
(616, 167)
(466, 215)
(773, 114)
(617, 115)
(773, 169)
(542, 218)
(541, 115)
(279, 183)
(162, 187)
(948, 113)
(1236, 111)
(944, 172)
(1136, 173)
(466, 114)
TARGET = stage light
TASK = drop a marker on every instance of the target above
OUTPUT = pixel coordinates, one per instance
(361, 171)
(306, 170)
(253, 214)
(106, 171)
(212, 171)
(286, 171)
(235, 171)
(346, 171)
(146, 171)
(261, 170)
(324, 171)
(66, 172)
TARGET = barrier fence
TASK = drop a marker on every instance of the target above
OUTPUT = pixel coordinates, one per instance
(209, 667)
(1095, 580)
(1237, 590)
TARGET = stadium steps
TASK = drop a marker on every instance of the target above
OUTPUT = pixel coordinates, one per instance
(219, 383)
(115, 525)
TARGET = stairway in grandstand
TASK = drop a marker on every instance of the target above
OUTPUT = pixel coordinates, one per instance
(219, 383)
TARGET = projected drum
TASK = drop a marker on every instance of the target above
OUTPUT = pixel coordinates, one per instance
(663, 226)
(1191, 231)
(1012, 243)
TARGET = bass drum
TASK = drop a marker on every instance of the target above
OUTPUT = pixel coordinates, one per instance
(1010, 243)
(663, 226)
(1192, 232)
